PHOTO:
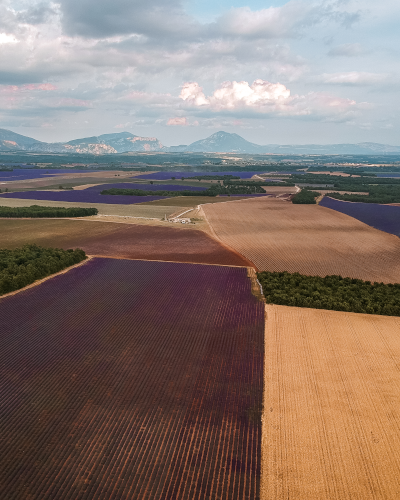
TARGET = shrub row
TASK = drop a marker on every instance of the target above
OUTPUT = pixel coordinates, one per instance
(332, 292)
(23, 266)
(37, 211)
(212, 191)
(305, 197)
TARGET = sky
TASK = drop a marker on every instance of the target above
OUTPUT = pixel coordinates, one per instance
(274, 72)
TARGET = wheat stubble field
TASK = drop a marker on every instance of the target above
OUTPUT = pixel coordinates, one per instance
(279, 236)
(331, 405)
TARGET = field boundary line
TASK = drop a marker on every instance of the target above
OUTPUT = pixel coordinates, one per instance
(42, 280)
(214, 234)
(170, 261)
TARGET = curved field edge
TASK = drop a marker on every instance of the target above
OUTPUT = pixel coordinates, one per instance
(308, 239)
(215, 236)
(383, 217)
(129, 241)
(137, 394)
(331, 406)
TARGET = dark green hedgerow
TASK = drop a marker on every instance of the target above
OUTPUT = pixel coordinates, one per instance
(211, 191)
(23, 266)
(305, 197)
(332, 292)
(37, 211)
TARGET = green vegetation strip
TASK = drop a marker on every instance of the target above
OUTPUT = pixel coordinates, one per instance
(25, 265)
(305, 197)
(212, 191)
(332, 292)
(378, 194)
(37, 211)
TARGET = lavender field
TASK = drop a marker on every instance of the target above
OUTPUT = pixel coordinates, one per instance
(84, 196)
(162, 176)
(129, 380)
(383, 217)
(145, 187)
(22, 174)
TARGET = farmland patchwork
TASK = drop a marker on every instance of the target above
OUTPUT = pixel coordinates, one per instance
(131, 379)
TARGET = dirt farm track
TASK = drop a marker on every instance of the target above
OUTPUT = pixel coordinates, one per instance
(279, 236)
(331, 406)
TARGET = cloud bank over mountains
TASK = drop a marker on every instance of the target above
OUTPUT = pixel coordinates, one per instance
(329, 68)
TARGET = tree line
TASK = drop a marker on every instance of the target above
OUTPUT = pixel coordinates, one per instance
(376, 194)
(331, 292)
(215, 190)
(37, 211)
(22, 266)
(305, 197)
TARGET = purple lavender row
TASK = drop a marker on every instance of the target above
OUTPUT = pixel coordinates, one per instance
(383, 217)
(145, 187)
(162, 176)
(23, 174)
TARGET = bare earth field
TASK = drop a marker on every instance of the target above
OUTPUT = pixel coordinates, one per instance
(280, 236)
(192, 201)
(134, 210)
(111, 239)
(331, 423)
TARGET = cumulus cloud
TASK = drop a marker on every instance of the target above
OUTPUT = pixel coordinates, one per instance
(178, 120)
(6, 38)
(265, 98)
(354, 78)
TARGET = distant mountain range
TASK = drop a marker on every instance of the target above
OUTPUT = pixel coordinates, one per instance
(220, 142)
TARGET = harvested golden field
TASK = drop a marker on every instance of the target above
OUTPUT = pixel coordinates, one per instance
(192, 201)
(134, 210)
(331, 423)
(280, 236)
(127, 241)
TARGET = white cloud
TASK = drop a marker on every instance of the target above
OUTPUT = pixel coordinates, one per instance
(179, 120)
(5, 38)
(265, 98)
(354, 78)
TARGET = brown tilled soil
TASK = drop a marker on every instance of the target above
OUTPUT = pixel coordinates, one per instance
(309, 239)
(120, 240)
(331, 423)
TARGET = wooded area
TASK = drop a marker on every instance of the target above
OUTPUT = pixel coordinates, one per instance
(331, 292)
(24, 265)
(37, 211)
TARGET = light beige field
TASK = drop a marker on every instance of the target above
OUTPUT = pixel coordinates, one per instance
(280, 236)
(331, 422)
(136, 210)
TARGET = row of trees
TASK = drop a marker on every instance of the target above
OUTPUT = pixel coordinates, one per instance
(376, 194)
(305, 197)
(24, 265)
(37, 211)
(332, 292)
(214, 190)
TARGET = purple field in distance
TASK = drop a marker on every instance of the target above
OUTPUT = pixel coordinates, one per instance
(383, 217)
(126, 379)
(22, 174)
(144, 187)
(83, 196)
(162, 176)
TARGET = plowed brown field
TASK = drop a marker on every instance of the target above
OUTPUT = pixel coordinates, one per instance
(331, 424)
(120, 240)
(309, 239)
